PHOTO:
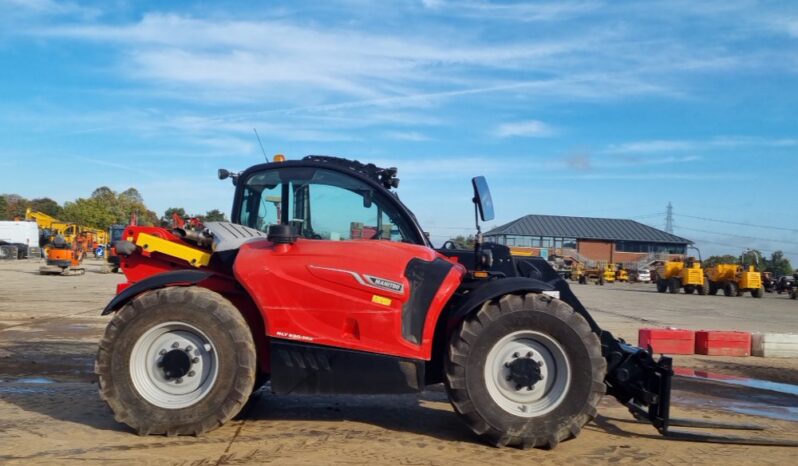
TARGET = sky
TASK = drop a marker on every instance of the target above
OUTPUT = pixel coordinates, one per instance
(574, 107)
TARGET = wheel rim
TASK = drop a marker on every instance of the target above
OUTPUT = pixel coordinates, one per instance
(173, 365)
(507, 368)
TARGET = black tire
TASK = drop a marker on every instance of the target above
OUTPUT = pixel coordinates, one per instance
(689, 289)
(758, 292)
(793, 295)
(713, 288)
(211, 314)
(467, 383)
(730, 289)
(674, 284)
(115, 270)
(662, 285)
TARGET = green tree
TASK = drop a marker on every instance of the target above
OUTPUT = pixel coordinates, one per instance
(132, 196)
(214, 215)
(93, 212)
(167, 215)
(715, 260)
(778, 264)
(16, 206)
(47, 206)
(148, 218)
(463, 242)
(3, 207)
(753, 257)
(105, 207)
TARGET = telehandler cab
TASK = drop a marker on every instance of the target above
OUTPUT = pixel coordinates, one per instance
(324, 282)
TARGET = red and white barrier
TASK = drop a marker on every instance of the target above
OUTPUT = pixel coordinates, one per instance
(722, 343)
(775, 345)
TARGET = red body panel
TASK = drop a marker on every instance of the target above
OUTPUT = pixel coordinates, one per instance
(139, 266)
(317, 291)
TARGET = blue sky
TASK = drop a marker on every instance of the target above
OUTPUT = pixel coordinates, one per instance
(594, 108)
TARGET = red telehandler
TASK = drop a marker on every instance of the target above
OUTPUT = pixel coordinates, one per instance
(324, 282)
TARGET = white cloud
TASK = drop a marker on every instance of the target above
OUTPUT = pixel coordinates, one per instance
(529, 129)
(28, 8)
(720, 142)
(528, 12)
(221, 60)
(413, 136)
(649, 146)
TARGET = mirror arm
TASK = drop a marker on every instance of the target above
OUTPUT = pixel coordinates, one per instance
(477, 238)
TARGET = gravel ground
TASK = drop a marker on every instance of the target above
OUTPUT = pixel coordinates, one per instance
(50, 412)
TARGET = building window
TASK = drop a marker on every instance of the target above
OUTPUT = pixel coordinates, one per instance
(569, 243)
(649, 248)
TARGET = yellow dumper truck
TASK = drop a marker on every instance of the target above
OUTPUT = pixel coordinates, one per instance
(735, 280)
(687, 274)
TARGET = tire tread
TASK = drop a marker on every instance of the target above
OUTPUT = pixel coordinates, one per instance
(465, 336)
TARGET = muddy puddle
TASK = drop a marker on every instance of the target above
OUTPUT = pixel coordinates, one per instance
(27, 385)
(742, 395)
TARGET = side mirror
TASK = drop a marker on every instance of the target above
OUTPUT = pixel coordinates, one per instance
(224, 174)
(482, 198)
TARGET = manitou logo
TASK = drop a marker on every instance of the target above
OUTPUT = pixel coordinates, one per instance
(387, 284)
(368, 280)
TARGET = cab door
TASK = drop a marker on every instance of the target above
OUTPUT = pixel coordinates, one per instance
(353, 279)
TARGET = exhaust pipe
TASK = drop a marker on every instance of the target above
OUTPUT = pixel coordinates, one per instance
(200, 238)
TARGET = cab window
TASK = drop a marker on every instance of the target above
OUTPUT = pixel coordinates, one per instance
(322, 204)
(261, 202)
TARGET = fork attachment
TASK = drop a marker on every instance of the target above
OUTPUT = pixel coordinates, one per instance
(643, 384)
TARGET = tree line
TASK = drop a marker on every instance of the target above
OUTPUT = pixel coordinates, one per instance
(777, 264)
(103, 208)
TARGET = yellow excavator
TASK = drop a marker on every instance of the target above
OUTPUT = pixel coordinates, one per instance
(72, 233)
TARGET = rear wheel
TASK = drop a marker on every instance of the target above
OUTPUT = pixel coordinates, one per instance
(758, 292)
(713, 288)
(730, 289)
(689, 289)
(525, 371)
(175, 361)
(662, 285)
(674, 284)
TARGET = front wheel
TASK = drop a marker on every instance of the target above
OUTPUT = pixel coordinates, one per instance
(525, 371)
(176, 361)
(758, 292)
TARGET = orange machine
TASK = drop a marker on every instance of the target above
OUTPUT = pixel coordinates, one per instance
(64, 258)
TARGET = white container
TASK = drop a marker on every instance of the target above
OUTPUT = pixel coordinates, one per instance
(19, 233)
(774, 345)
